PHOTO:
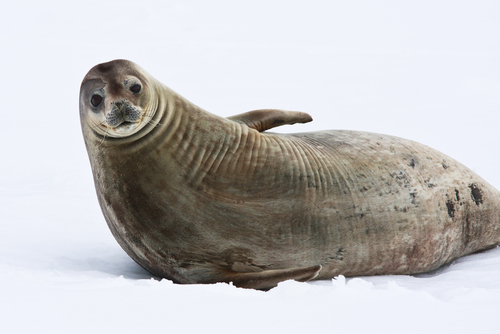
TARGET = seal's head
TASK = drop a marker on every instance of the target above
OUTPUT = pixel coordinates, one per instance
(117, 99)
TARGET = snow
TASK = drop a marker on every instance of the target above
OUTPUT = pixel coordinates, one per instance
(427, 71)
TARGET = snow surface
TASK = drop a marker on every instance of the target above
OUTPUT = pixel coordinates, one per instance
(423, 70)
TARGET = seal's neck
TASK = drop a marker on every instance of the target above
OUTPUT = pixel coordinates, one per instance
(197, 141)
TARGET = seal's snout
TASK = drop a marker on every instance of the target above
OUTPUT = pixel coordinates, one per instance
(122, 112)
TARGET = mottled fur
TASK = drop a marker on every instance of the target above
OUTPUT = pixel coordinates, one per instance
(198, 198)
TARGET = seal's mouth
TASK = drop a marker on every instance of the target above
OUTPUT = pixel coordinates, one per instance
(124, 128)
(125, 125)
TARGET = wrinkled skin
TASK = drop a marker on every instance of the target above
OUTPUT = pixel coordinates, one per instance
(198, 198)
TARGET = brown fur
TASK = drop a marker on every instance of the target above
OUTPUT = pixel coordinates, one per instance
(198, 198)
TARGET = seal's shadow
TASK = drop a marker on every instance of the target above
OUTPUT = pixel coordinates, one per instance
(125, 267)
(106, 264)
(435, 272)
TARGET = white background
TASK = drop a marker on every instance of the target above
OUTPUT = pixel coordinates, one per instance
(423, 70)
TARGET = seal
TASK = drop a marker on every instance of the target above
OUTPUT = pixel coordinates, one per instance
(198, 198)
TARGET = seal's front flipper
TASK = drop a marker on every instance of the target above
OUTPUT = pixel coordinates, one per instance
(268, 279)
(265, 119)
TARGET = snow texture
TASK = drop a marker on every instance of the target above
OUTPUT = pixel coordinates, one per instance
(424, 70)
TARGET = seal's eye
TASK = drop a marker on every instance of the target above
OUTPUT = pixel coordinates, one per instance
(96, 100)
(135, 88)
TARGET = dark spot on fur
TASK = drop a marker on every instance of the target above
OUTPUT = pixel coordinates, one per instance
(401, 179)
(412, 163)
(397, 209)
(278, 121)
(451, 209)
(466, 231)
(429, 184)
(476, 194)
(445, 166)
(340, 254)
(363, 189)
(457, 194)
(414, 199)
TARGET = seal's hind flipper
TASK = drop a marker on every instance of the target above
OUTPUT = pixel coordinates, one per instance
(265, 119)
(268, 279)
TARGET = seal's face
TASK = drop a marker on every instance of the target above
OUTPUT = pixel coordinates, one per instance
(116, 99)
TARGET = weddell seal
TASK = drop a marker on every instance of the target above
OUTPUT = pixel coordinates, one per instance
(198, 198)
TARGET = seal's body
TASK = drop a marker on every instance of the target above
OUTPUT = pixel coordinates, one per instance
(198, 198)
